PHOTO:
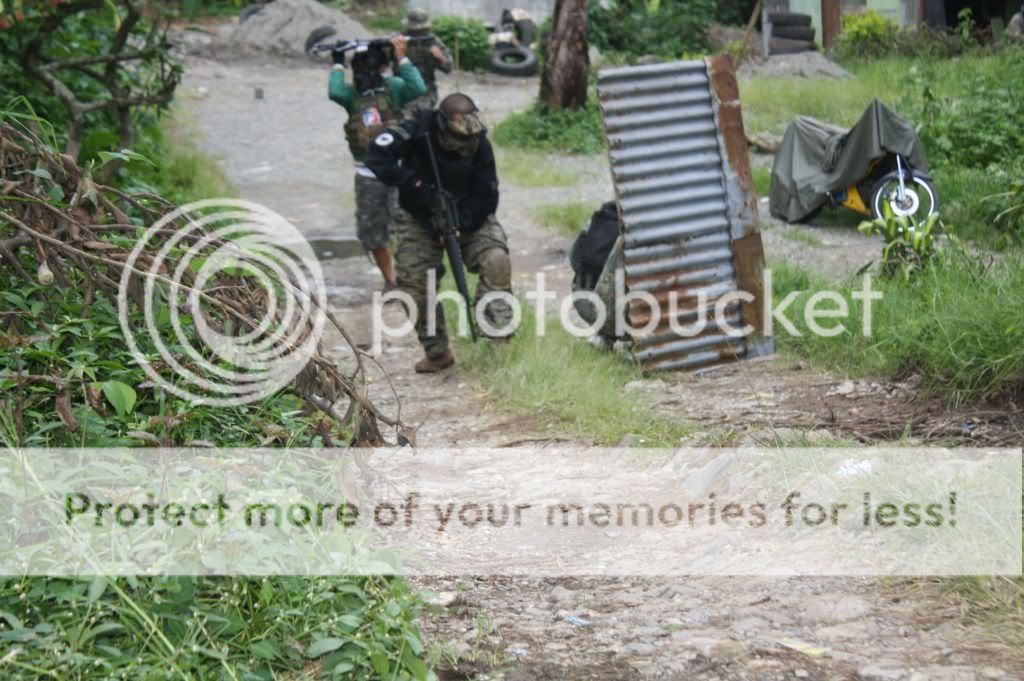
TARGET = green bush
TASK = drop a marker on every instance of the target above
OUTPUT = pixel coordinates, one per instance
(867, 35)
(578, 132)
(667, 29)
(181, 627)
(871, 36)
(980, 125)
(210, 628)
(469, 37)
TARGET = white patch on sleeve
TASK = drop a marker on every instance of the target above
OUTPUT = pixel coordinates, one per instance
(384, 139)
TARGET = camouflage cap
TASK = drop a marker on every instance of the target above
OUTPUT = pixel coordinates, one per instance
(417, 20)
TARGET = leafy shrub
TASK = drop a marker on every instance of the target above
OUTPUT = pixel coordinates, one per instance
(871, 36)
(667, 29)
(867, 35)
(185, 627)
(210, 628)
(469, 36)
(980, 126)
(578, 132)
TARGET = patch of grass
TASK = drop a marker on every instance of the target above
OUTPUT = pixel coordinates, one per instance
(996, 604)
(956, 324)
(577, 132)
(568, 383)
(964, 206)
(566, 218)
(526, 169)
(801, 236)
(762, 180)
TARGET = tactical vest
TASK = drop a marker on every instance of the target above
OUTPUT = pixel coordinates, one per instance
(418, 51)
(371, 114)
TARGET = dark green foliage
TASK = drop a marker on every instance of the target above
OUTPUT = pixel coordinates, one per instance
(979, 126)
(578, 132)
(734, 12)
(667, 29)
(202, 628)
(90, 32)
(469, 36)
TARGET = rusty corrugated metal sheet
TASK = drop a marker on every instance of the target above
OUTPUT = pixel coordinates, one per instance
(682, 179)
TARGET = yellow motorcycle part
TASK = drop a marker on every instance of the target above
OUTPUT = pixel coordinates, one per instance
(855, 202)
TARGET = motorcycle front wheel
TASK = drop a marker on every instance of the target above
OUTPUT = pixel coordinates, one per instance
(919, 197)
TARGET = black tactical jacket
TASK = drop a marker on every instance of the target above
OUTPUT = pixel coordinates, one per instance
(399, 157)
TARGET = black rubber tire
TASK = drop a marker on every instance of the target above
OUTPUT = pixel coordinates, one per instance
(526, 31)
(789, 19)
(525, 63)
(316, 35)
(805, 33)
(785, 46)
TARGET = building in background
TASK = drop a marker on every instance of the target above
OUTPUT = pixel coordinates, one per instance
(934, 13)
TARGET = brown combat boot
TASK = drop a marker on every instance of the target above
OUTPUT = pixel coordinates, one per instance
(432, 365)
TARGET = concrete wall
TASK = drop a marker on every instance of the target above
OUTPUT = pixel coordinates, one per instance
(485, 10)
(890, 9)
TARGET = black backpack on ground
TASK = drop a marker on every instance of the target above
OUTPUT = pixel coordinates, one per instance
(591, 249)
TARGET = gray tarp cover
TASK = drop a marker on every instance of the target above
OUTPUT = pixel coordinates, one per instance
(816, 158)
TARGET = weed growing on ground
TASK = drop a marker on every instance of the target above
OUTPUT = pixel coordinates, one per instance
(955, 324)
(526, 169)
(567, 383)
(566, 218)
(800, 235)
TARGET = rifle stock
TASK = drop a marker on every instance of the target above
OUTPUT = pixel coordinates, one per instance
(446, 222)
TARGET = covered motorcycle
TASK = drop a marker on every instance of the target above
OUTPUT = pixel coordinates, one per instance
(879, 161)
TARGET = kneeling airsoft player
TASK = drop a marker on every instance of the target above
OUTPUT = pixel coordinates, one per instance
(454, 138)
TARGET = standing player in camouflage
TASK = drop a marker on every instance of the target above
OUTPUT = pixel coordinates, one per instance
(373, 102)
(429, 54)
(400, 157)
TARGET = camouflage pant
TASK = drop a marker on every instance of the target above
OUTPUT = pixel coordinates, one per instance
(373, 214)
(485, 252)
(424, 103)
(606, 291)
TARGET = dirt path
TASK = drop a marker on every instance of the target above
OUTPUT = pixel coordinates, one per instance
(286, 151)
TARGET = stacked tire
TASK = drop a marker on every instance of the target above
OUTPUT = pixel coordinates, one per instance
(517, 59)
(791, 33)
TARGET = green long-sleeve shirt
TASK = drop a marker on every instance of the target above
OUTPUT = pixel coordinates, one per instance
(403, 88)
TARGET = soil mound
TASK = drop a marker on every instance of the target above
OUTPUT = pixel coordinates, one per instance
(282, 26)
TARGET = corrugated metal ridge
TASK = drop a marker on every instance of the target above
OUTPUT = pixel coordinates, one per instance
(668, 250)
(673, 186)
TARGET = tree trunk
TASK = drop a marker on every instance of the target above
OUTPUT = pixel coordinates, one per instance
(563, 84)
